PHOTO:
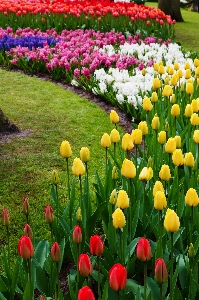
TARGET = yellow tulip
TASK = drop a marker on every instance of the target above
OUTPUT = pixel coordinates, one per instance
(85, 154)
(189, 160)
(128, 169)
(191, 197)
(154, 97)
(176, 66)
(177, 157)
(143, 72)
(194, 104)
(119, 220)
(171, 221)
(196, 62)
(188, 111)
(180, 73)
(143, 127)
(187, 65)
(113, 197)
(164, 173)
(170, 70)
(65, 149)
(155, 124)
(197, 81)
(174, 80)
(166, 127)
(162, 137)
(114, 173)
(55, 177)
(105, 140)
(170, 146)
(197, 72)
(127, 142)
(156, 83)
(114, 136)
(156, 66)
(158, 186)
(146, 174)
(194, 119)
(114, 117)
(175, 110)
(189, 88)
(146, 104)
(187, 74)
(178, 141)
(191, 251)
(173, 99)
(79, 215)
(196, 136)
(160, 201)
(136, 136)
(78, 168)
(161, 70)
(122, 200)
(167, 91)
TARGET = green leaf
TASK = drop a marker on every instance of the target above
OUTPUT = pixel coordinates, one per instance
(42, 282)
(130, 249)
(42, 252)
(3, 287)
(5, 263)
(2, 297)
(132, 285)
(136, 209)
(105, 291)
(26, 295)
(62, 247)
(183, 274)
(72, 293)
(155, 290)
(15, 274)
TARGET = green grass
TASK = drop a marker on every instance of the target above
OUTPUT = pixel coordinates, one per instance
(51, 114)
(187, 32)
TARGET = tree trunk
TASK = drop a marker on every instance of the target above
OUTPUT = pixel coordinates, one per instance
(172, 8)
(196, 5)
(6, 126)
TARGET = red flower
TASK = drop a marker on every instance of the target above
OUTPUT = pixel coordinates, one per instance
(85, 293)
(161, 273)
(5, 217)
(84, 265)
(117, 277)
(96, 245)
(28, 231)
(143, 249)
(55, 252)
(25, 247)
(77, 234)
(48, 212)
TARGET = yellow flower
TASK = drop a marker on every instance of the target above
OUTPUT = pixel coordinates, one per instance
(173, 99)
(105, 140)
(177, 157)
(166, 80)
(78, 168)
(191, 251)
(155, 124)
(161, 70)
(197, 72)
(164, 173)
(191, 197)
(180, 73)
(122, 200)
(189, 160)
(162, 137)
(128, 169)
(143, 127)
(158, 186)
(178, 141)
(119, 220)
(65, 149)
(154, 97)
(136, 136)
(144, 72)
(187, 65)
(79, 215)
(171, 221)
(197, 81)
(166, 127)
(155, 66)
(113, 197)
(114, 173)
(167, 91)
(174, 80)
(194, 104)
(170, 146)
(114, 117)
(194, 119)
(196, 62)
(175, 110)
(196, 136)
(146, 174)
(114, 136)
(176, 66)
(55, 177)
(160, 201)
(189, 88)
(187, 74)
(146, 104)
(170, 70)
(127, 142)
(188, 111)
(156, 83)
(85, 154)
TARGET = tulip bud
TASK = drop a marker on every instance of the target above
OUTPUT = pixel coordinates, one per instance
(146, 174)
(156, 66)
(5, 217)
(28, 231)
(122, 200)
(176, 66)
(114, 136)
(128, 169)
(187, 65)
(170, 146)
(167, 91)
(113, 197)
(105, 140)
(146, 104)
(173, 99)
(55, 177)
(65, 149)
(85, 154)
(144, 72)
(117, 277)
(127, 142)
(171, 221)
(178, 141)
(188, 111)
(143, 250)
(166, 127)
(197, 81)
(79, 215)
(174, 80)
(191, 251)
(196, 62)
(96, 245)
(156, 83)
(161, 70)
(136, 136)
(164, 173)
(196, 136)
(25, 206)
(197, 72)
(162, 137)
(150, 162)
(191, 197)
(25, 247)
(194, 119)
(189, 160)
(189, 88)
(161, 273)
(154, 97)
(114, 173)
(194, 104)
(84, 265)
(158, 187)
(175, 110)
(180, 73)
(170, 70)
(143, 127)
(78, 168)
(160, 201)
(85, 293)
(119, 220)
(167, 80)
(48, 212)
(55, 252)
(177, 157)
(114, 117)
(155, 123)
(77, 234)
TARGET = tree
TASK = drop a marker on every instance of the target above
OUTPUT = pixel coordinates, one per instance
(6, 126)
(172, 8)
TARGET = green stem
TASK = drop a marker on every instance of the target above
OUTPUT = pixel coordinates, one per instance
(58, 284)
(67, 169)
(51, 232)
(87, 204)
(118, 294)
(106, 161)
(143, 217)
(191, 227)
(80, 183)
(160, 232)
(144, 147)
(131, 197)
(27, 220)
(30, 279)
(121, 246)
(99, 290)
(191, 278)
(145, 277)
(171, 274)
(77, 286)
(114, 153)
(8, 241)
(189, 176)
(57, 208)
(174, 127)
(161, 292)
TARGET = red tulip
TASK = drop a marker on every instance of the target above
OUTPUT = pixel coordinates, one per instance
(28, 231)
(96, 245)
(5, 217)
(48, 212)
(85, 293)
(55, 252)
(143, 249)
(161, 273)
(25, 247)
(77, 234)
(26, 206)
(117, 277)
(84, 265)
